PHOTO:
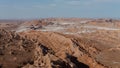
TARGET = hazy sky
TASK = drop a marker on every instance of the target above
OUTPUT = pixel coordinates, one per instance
(18, 9)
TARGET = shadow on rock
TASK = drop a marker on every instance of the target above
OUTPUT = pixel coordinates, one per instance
(75, 63)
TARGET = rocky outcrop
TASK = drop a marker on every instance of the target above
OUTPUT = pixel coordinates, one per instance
(42, 50)
(36, 49)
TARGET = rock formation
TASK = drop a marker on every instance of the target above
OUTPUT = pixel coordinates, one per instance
(35, 49)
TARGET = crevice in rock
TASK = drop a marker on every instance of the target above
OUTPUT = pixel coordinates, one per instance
(1, 66)
(76, 63)
(46, 50)
(60, 64)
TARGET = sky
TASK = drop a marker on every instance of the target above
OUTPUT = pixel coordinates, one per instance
(29, 9)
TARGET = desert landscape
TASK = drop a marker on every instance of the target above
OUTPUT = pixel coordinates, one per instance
(60, 43)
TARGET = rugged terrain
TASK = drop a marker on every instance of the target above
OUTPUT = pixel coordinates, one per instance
(60, 43)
